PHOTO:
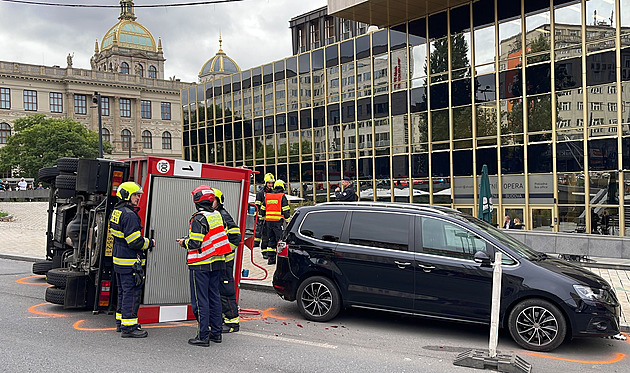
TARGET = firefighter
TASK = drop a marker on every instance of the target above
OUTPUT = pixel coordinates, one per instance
(229, 303)
(261, 237)
(128, 252)
(276, 210)
(207, 244)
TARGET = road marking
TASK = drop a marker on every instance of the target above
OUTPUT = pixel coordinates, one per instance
(618, 357)
(23, 282)
(290, 340)
(77, 326)
(32, 309)
(263, 315)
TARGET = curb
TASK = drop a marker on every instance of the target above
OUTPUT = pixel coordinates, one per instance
(22, 258)
(255, 286)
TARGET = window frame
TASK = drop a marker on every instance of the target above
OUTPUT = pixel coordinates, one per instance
(125, 138)
(147, 139)
(5, 98)
(105, 106)
(345, 238)
(341, 230)
(124, 68)
(145, 109)
(4, 132)
(56, 102)
(153, 73)
(125, 110)
(167, 140)
(31, 104)
(80, 104)
(165, 110)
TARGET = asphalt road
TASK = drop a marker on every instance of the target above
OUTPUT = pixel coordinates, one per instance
(37, 337)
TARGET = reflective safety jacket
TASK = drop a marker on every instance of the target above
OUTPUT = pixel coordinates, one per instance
(233, 232)
(276, 206)
(207, 241)
(129, 245)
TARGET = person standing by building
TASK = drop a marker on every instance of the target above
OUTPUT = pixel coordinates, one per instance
(207, 245)
(508, 224)
(22, 184)
(229, 304)
(262, 237)
(276, 210)
(128, 252)
(348, 194)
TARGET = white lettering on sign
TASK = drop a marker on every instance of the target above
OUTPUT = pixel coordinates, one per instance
(186, 168)
(163, 166)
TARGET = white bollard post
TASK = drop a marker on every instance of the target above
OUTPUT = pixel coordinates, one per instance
(496, 303)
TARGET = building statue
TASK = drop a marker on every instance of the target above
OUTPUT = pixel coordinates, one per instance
(69, 59)
(138, 68)
(93, 63)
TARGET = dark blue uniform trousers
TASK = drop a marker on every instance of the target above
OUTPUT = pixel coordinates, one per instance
(128, 299)
(206, 301)
(228, 294)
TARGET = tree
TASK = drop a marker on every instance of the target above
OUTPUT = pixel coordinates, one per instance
(39, 141)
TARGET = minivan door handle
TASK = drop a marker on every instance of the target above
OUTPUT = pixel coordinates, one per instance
(401, 265)
(426, 268)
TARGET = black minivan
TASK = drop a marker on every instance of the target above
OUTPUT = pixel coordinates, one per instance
(436, 262)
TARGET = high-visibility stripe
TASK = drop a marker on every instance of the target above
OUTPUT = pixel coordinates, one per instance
(129, 322)
(146, 244)
(229, 257)
(231, 321)
(116, 233)
(286, 208)
(118, 316)
(124, 261)
(196, 236)
(234, 230)
(132, 237)
(215, 243)
(211, 259)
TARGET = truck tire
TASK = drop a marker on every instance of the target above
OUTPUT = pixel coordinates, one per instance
(68, 165)
(55, 295)
(47, 174)
(68, 182)
(42, 267)
(57, 277)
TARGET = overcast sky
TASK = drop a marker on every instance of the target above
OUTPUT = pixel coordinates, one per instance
(254, 31)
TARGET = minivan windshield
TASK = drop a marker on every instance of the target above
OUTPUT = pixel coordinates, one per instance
(517, 246)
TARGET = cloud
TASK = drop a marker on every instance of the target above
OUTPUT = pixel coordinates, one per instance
(254, 32)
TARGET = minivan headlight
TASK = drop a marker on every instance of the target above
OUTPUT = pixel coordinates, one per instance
(589, 293)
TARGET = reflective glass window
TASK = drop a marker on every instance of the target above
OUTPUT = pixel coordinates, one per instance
(304, 63)
(600, 68)
(512, 160)
(362, 44)
(347, 112)
(399, 103)
(420, 165)
(485, 88)
(483, 13)
(603, 155)
(539, 158)
(570, 156)
(418, 100)
(568, 74)
(379, 42)
(440, 164)
(278, 70)
(462, 162)
(418, 31)
(363, 232)
(346, 51)
(398, 36)
(317, 60)
(538, 79)
(332, 56)
(487, 156)
(437, 26)
(291, 67)
(439, 96)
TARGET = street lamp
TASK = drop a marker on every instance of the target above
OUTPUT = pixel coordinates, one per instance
(97, 100)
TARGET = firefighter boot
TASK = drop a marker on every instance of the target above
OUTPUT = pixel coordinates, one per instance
(272, 258)
(230, 328)
(199, 342)
(216, 338)
(136, 333)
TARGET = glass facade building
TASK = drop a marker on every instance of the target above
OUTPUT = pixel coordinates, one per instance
(539, 91)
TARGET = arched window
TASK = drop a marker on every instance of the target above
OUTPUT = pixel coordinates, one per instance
(147, 141)
(166, 140)
(140, 69)
(106, 135)
(124, 68)
(125, 136)
(5, 132)
(152, 72)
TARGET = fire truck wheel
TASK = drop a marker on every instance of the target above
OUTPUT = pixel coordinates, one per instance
(47, 174)
(68, 165)
(57, 277)
(55, 295)
(68, 182)
(40, 268)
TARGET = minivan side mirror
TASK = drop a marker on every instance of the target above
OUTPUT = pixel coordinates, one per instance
(483, 258)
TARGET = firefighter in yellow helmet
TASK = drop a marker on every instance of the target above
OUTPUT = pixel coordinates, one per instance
(261, 237)
(128, 252)
(229, 304)
(276, 210)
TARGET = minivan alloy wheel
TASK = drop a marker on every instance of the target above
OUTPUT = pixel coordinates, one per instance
(318, 299)
(537, 325)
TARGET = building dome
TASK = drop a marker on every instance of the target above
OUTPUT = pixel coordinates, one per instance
(128, 33)
(220, 63)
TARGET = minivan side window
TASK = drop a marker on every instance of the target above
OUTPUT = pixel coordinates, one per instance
(442, 238)
(323, 225)
(377, 229)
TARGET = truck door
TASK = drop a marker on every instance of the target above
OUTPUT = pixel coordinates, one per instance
(170, 208)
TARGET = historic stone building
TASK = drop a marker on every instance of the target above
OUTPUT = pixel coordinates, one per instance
(140, 110)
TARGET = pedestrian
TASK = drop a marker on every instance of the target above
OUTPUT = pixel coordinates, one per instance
(229, 304)
(40, 186)
(22, 184)
(261, 237)
(517, 224)
(206, 244)
(128, 255)
(348, 193)
(509, 224)
(276, 211)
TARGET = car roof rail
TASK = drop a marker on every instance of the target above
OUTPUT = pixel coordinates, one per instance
(407, 206)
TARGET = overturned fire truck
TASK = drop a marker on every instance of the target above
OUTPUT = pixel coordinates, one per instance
(79, 246)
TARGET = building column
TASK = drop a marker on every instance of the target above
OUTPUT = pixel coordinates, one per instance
(138, 122)
(115, 113)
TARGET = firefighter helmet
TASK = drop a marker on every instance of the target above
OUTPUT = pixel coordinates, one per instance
(269, 178)
(126, 189)
(203, 193)
(278, 183)
(218, 195)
